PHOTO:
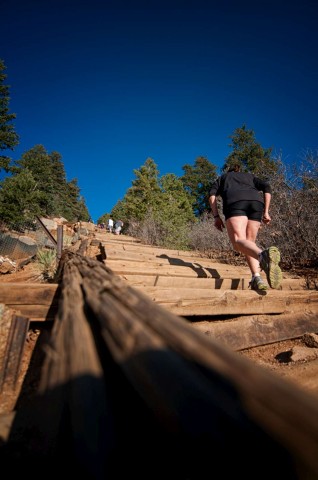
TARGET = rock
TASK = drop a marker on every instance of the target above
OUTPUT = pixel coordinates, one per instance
(300, 353)
(310, 340)
(17, 246)
(7, 265)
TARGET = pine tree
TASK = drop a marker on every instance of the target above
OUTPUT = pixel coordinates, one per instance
(20, 197)
(143, 195)
(174, 212)
(8, 137)
(59, 183)
(75, 208)
(197, 182)
(249, 154)
(59, 197)
(38, 161)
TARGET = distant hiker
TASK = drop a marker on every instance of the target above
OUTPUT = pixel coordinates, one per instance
(110, 224)
(118, 226)
(244, 208)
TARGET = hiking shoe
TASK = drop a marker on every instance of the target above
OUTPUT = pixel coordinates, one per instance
(269, 260)
(258, 284)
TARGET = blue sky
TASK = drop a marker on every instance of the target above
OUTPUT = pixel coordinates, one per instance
(108, 84)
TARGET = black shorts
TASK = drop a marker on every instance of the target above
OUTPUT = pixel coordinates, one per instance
(252, 209)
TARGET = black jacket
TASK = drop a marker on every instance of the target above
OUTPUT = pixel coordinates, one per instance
(236, 186)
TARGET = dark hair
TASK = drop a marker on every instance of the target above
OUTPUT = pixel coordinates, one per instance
(236, 167)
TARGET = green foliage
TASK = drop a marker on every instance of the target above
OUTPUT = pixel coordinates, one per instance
(49, 194)
(74, 208)
(119, 211)
(173, 212)
(161, 208)
(8, 137)
(46, 261)
(38, 161)
(142, 196)
(248, 153)
(197, 182)
(19, 197)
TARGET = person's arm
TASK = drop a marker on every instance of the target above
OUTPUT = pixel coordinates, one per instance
(213, 205)
(218, 222)
(267, 202)
(265, 187)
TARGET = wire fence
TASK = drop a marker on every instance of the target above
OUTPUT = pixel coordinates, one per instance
(24, 239)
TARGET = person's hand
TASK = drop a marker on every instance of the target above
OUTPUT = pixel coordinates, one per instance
(218, 223)
(266, 218)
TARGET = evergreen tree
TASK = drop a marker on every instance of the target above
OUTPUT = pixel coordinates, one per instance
(249, 154)
(20, 197)
(174, 197)
(75, 208)
(174, 212)
(39, 162)
(8, 137)
(143, 195)
(59, 197)
(82, 211)
(59, 182)
(157, 209)
(118, 212)
(197, 182)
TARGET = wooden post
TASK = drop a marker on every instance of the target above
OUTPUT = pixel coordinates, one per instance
(59, 242)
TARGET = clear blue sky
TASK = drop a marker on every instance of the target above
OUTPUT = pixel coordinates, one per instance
(108, 84)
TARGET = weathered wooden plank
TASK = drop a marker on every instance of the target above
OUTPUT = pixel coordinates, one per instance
(210, 283)
(118, 245)
(192, 271)
(28, 293)
(187, 301)
(177, 262)
(244, 332)
(161, 258)
(84, 246)
(6, 316)
(37, 301)
(11, 362)
(114, 248)
(35, 313)
(189, 308)
(165, 281)
(122, 240)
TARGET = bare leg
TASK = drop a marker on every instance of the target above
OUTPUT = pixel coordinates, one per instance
(242, 234)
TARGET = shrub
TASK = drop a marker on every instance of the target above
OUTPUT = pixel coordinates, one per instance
(46, 261)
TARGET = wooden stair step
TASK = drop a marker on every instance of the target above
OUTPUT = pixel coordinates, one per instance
(37, 301)
(210, 283)
(245, 332)
(193, 301)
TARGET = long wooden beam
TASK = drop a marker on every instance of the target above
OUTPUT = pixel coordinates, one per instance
(120, 366)
(244, 332)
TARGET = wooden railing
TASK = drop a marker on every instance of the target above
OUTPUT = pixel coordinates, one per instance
(129, 389)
